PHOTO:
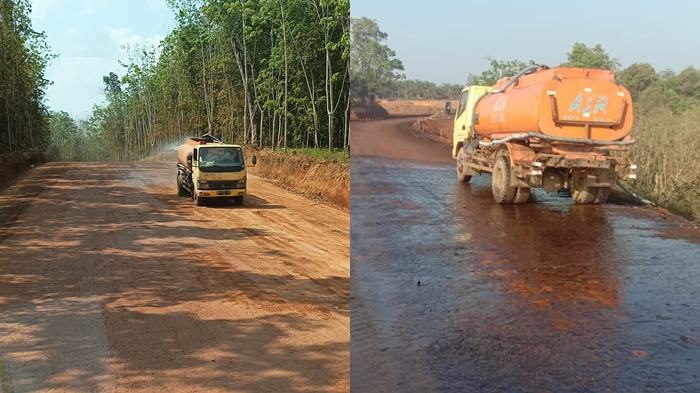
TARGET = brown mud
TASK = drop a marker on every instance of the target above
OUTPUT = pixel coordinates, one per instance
(452, 292)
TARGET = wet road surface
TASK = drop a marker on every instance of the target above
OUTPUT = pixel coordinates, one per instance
(543, 297)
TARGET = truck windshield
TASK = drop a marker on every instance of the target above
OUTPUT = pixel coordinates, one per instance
(220, 159)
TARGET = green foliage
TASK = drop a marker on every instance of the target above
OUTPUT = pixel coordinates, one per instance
(498, 70)
(637, 78)
(24, 56)
(590, 57)
(260, 72)
(73, 140)
(412, 89)
(686, 83)
(372, 63)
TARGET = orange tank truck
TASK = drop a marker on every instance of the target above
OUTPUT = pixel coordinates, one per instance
(549, 128)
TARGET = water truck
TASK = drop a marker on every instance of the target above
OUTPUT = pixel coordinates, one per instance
(208, 168)
(548, 128)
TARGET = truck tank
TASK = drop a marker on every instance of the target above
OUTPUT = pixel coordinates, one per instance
(559, 102)
(186, 148)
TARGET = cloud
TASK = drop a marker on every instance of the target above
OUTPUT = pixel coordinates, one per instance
(126, 35)
(72, 33)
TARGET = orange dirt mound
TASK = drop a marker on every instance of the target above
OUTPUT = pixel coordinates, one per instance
(414, 108)
(437, 129)
(368, 112)
(315, 178)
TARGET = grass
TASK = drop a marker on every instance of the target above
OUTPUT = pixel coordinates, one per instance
(339, 155)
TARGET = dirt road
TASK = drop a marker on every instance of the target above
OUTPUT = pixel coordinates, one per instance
(542, 297)
(110, 282)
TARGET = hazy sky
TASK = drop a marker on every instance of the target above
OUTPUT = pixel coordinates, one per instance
(87, 34)
(444, 41)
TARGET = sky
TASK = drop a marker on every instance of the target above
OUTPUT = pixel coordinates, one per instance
(445, 41)
(88, 35)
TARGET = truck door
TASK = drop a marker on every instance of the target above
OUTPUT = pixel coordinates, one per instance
(462, 124)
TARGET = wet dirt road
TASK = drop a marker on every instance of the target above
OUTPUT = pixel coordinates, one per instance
(109, 282)
(543, 297)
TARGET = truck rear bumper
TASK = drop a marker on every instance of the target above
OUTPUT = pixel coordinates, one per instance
(220, 193)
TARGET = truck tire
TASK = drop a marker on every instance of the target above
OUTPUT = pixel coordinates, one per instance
(238, 200)
(461, 176)
(180, 189)
(585, 195)
(503, 192)
(522, 195)
(602, 195)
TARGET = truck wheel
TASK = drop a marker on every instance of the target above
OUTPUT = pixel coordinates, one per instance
(522, 195)
(602, 195)
(503, 192)
(180, 189)
(585, 195)
(238, 200)
(461, 177)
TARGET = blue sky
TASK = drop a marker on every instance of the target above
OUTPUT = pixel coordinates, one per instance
(445, 41)
(87, 35)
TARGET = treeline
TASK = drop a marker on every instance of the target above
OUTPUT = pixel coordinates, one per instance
(24, 56)
(412, 89)
(264, 72)
(667, 115)
(374, 66)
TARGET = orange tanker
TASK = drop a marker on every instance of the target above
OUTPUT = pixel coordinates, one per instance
(549, 128)
(559, 102)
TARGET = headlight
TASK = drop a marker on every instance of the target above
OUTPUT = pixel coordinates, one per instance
(241, 181)
(201, 184)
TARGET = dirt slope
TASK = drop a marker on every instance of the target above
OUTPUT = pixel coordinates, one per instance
(110, 282)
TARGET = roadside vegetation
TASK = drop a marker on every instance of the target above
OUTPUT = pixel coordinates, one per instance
(666, 108)
(339, 155)
(261, 73)
(24, 55)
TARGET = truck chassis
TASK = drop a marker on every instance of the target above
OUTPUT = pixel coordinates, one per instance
(516, 167)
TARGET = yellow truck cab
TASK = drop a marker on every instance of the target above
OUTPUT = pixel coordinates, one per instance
(463, 116)
(213, 170)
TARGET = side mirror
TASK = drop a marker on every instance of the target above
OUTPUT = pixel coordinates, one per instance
(255, 159)
(189, 160)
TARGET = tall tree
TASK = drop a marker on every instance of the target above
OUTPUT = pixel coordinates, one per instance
(24, 56)
(372, 63)
(498, 70)
(591, 57)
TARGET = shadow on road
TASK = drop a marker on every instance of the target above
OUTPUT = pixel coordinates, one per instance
(103, 284)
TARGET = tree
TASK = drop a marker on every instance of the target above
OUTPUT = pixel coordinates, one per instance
(498, 70)
(24, 56)
(594, 57)
(686, 83)
(637, 78)
(372, 63)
